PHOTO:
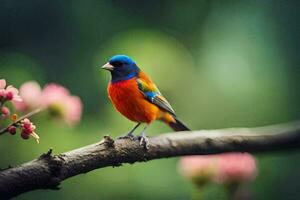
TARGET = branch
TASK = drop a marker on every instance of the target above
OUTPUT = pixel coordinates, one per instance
(48, 170)
(28, 115)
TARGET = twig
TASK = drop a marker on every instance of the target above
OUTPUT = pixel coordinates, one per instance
(28, 115)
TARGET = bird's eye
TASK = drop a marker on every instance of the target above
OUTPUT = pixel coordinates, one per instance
(116, 64)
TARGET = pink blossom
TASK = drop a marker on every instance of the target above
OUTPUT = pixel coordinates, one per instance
(12, 130)
(54, 93)
(27, 126)
(73, 110)
(2, 83)
(12, 94)
(9, 93)
(55, 98)
(5, 112)
(28, 130)
(31, 94)
(191, 166)
(198, 169)
(58, 99)
(222, 168)
(2, 89)
(236, 167)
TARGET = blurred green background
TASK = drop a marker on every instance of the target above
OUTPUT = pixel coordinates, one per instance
(219, 63)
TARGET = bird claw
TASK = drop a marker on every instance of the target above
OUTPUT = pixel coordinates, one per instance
(128, 136)
(144, 141)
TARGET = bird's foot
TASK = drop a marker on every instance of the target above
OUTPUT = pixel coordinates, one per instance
(130, 133)
(144, 141)
(128, 136)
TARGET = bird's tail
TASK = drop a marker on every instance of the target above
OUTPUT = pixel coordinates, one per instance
(178, 125)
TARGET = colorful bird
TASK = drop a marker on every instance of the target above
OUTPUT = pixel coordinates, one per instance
(135, 96)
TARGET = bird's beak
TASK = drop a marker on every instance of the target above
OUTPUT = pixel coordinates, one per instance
(108, 66)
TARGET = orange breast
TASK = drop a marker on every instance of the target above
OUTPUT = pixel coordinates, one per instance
(128, 100)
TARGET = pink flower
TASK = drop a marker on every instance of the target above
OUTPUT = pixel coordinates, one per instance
(54, 93)
(28, 130)
(31, 94)
(55, 98)
(2, 83)
(199, 169)
(191, 166)
(236, 167)
(5, 112)
(2, 89)
(73, 110)
(9, 93)
(60, 103)
(221, 168)
(27, 126)
(12, 130)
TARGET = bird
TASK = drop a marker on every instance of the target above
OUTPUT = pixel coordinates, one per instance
(135, 96)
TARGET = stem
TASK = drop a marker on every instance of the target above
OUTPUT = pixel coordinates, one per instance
(28, 115)
(239, 191)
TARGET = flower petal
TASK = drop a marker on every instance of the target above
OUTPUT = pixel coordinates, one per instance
(2, 83)
(36, 137)
(17, 98)
(12, 89)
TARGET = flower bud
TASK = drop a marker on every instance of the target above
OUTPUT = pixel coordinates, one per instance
(9, 96)
(5, 112)
(12, 130)
(14, 117)
(24, 135)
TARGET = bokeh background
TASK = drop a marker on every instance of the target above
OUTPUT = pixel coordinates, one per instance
(220, 64)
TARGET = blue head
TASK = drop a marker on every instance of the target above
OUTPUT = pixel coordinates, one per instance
(121, 68)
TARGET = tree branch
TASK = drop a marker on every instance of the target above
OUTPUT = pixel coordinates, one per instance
(48, 170)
